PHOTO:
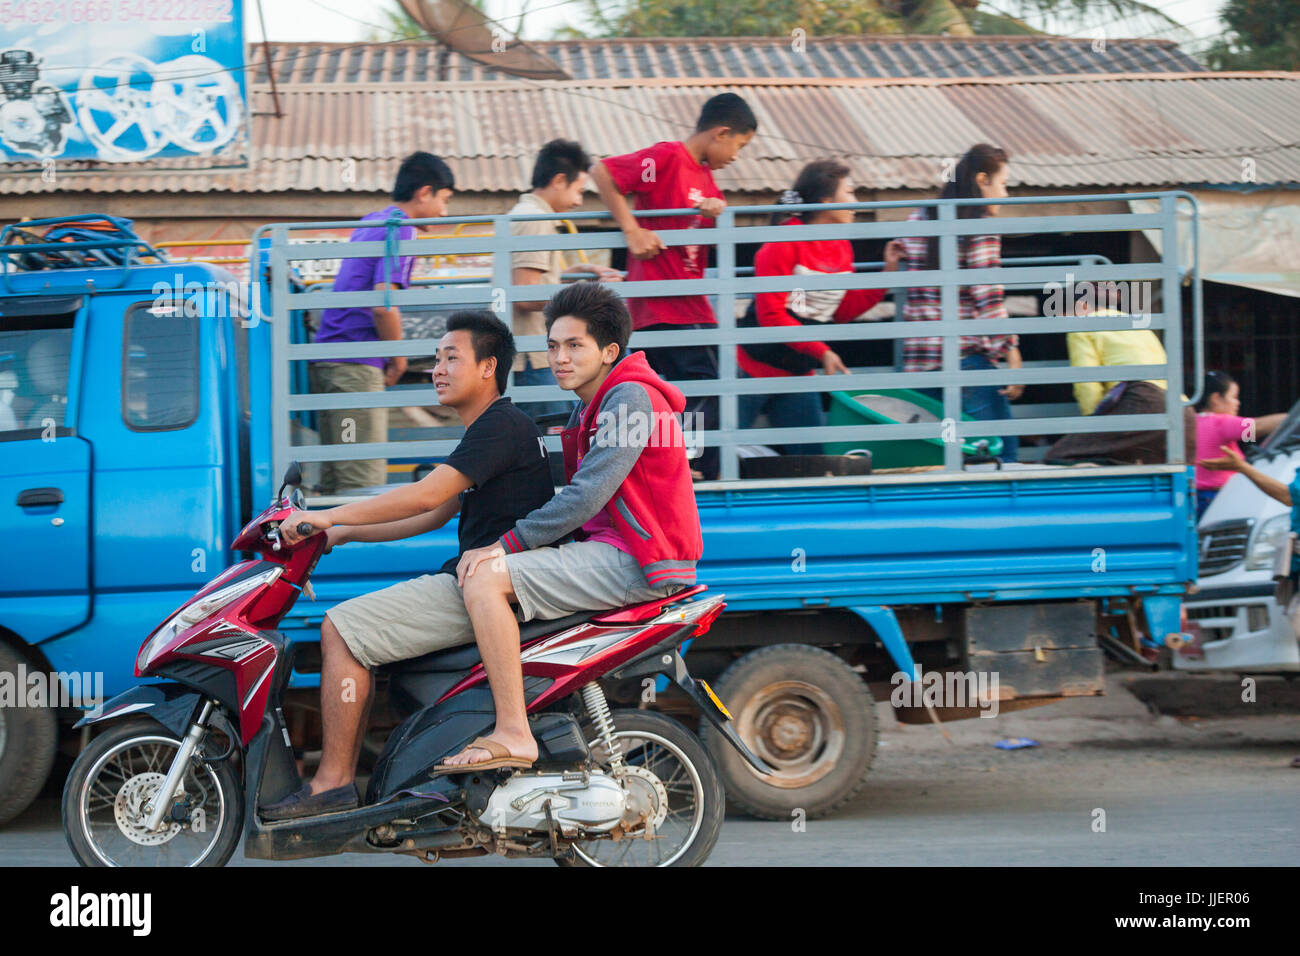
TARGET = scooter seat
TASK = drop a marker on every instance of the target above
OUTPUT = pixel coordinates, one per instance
(464, 657)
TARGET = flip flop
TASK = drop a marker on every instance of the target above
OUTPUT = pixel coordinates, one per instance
(500, 757)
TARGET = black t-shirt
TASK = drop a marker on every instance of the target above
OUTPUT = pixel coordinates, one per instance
(504, 455)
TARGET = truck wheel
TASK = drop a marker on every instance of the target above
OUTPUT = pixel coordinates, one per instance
(28, 740)
(805, 713)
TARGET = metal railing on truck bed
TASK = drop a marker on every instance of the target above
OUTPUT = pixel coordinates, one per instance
(724, 288)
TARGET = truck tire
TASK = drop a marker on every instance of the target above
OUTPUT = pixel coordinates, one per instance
(29, 738)
(804, 712)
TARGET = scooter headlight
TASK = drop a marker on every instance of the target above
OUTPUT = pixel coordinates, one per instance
(201, 609)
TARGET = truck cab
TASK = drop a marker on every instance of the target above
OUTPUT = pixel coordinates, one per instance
(122, 478)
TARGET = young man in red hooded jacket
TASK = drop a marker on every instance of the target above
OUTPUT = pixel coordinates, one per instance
(628, 503)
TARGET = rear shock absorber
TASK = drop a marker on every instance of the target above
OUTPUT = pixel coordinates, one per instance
(598, 709)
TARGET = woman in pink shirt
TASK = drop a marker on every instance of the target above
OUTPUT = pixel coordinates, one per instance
(1217, 424)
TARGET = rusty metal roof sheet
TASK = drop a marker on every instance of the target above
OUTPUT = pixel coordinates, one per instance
(732, 58)
(1066, 132)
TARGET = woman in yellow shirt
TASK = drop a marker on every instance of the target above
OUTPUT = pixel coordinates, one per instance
(1135, 346)
(1099, 349)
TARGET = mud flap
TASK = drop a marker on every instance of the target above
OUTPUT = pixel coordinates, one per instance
(712, 708)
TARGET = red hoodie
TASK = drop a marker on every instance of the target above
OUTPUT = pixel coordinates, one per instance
(653, 509)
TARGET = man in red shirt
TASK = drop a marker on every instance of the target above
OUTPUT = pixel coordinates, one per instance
(677, 175)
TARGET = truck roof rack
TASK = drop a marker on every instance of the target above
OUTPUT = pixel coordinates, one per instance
(88, 241)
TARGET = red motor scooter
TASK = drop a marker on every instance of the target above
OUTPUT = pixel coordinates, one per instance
(178, 775)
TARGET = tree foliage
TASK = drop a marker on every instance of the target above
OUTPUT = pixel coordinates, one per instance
(702, 18)
(1262, 35)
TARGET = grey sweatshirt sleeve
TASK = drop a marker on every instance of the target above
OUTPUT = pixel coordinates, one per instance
(614, 450)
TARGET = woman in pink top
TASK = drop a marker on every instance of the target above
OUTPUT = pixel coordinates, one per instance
(1218, 424)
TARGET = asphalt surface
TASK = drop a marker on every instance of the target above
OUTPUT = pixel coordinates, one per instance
(1195, 790)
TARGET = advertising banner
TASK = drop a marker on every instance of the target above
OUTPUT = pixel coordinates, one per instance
(122, 81)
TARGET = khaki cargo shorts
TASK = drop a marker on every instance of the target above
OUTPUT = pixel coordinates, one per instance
(427, 613)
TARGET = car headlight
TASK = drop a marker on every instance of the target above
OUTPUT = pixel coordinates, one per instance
(200, 610)
(1269, 536)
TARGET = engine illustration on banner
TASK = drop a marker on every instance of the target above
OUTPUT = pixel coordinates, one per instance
(35, 116)
(122, 81)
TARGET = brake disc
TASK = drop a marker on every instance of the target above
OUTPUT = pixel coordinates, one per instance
(128, 810)
(647, 799)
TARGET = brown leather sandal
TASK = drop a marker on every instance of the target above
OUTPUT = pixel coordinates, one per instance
(500, 757)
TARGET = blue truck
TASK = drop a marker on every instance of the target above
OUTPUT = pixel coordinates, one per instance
(153, 402)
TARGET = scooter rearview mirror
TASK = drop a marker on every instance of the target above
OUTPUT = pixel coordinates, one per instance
(292, 478)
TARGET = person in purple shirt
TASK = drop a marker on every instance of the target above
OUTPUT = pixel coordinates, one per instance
(424, 184)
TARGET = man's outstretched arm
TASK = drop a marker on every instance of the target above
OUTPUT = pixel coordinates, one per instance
(1233, 461)
(430, 493)
(397, 530)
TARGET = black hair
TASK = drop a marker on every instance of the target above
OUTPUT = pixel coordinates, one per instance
(491, 339)
(980, 158)
(1216, 383)
(599, 306)
(418, 170)
(729, 110)
(817, 182)
(559, 156)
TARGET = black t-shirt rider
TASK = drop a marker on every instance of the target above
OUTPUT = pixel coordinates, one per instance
(503, 454)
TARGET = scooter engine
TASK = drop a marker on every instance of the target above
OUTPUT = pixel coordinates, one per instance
(579, 800)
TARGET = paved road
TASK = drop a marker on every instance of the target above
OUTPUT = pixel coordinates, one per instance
(1175, 791)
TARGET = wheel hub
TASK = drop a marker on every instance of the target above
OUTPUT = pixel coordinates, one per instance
(647, 799)
(796, 728)
(129, 810)
(790, 730)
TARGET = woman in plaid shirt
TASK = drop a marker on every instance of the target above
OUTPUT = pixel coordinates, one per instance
(981, 172)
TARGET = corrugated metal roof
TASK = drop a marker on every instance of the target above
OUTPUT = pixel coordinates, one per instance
(876, 56)
(1069, 132)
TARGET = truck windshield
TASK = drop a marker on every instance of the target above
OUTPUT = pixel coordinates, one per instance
(1283, 439)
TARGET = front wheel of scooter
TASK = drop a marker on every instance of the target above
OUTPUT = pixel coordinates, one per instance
(113, 780)
(672, 781)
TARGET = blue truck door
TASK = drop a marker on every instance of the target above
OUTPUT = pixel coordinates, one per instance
(44, 468)
(153, 412)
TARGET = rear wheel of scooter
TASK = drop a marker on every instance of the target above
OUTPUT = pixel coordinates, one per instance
(113, 780)
(673, 781)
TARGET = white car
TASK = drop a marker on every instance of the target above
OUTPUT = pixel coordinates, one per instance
(1242, 627)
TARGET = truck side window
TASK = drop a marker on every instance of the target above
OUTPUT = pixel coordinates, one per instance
(35, 352)
(160, 369)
